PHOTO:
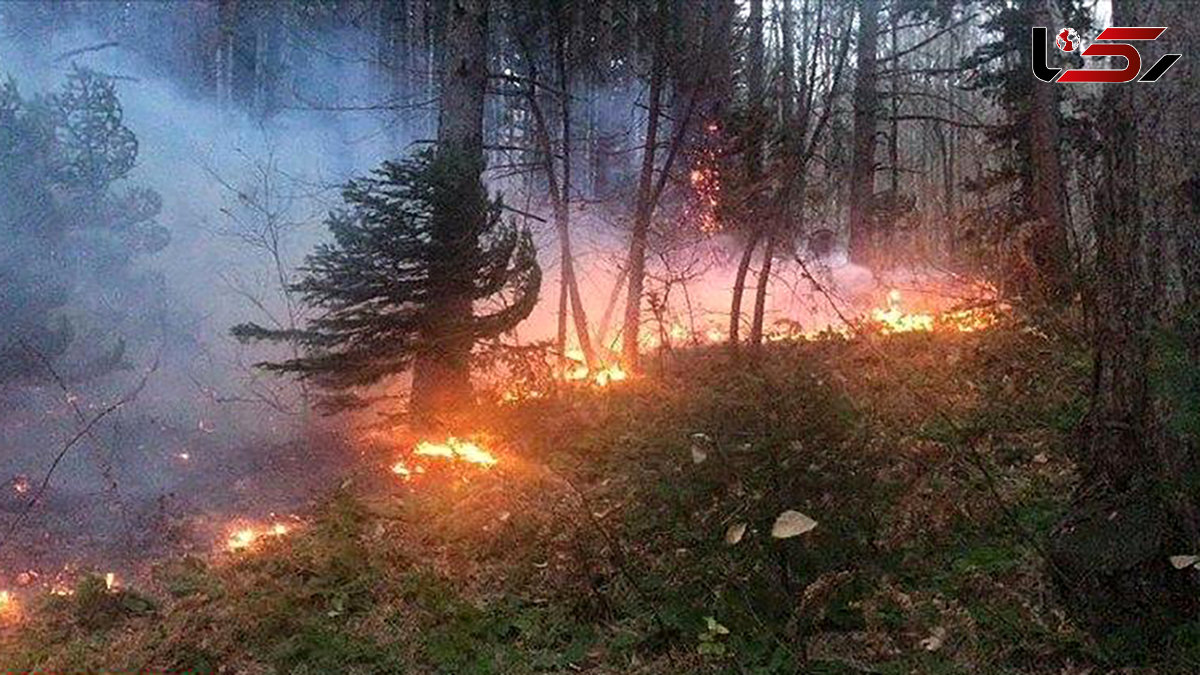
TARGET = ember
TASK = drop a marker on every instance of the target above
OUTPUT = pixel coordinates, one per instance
(246, 538)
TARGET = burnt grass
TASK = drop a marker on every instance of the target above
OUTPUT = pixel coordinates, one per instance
(935, 465)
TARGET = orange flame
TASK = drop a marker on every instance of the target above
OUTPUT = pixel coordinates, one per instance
(245, 538)
(454, 449)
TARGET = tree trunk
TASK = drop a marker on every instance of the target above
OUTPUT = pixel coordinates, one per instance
(1048, 247)
(441, 374)
(862, 169)
(564, 202)
(754, 159)
(1136, 504)
(739, 286)
(645, 202)
(781, 216)
(223, 58)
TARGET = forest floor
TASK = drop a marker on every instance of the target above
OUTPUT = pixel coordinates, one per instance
(609, 536)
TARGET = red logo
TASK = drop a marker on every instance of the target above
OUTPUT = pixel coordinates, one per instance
(1066, 39)
(1118, 38)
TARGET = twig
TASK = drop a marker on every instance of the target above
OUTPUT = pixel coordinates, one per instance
(85, 430)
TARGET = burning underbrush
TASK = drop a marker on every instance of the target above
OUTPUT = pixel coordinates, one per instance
(635, 529)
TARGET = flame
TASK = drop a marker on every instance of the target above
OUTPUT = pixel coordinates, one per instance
(246, 537)
(110, 581)
(455, 449)
(8, 604)
(601, 376)
(895, 320)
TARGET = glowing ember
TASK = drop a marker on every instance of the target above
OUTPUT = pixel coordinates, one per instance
(242, 539)
(184, 456)
(402, 470)
(245, 538)
(601, 376)
(456, 449)
(20, 484)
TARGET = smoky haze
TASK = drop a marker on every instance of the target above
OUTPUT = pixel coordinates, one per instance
(246, 165)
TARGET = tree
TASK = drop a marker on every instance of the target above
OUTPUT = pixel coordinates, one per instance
(383, 285)
(63, 223)
(1033, 137)
(1137, 503)
(644, 205)
(862, 168)
(753, 139)
(441, 374)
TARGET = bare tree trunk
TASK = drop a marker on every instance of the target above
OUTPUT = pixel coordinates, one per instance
(781, 215)
(441, 374)
(223, 66)
(862, 169)
(610, 306)
(645, 201)
(1048, 248)
(564, 235)
(754, 159)
(1136, 504)
(560, 197)
(739, 285)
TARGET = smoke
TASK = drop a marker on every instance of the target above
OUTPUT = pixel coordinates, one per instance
(208, 434)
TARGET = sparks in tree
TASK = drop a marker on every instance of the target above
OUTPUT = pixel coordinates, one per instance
(386, 288)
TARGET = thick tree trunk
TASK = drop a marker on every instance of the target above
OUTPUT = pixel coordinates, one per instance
(441, 374)
(1137, 503)
(645, 203)
(862, 168)
(1048, 248)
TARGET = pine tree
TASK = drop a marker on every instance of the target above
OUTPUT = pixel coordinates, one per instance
(381, 286)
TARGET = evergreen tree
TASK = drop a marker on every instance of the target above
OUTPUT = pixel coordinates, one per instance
(63, 225)
(1032, 138)
(382, 285)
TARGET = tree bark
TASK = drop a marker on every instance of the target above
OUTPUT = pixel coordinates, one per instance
(645, 201)
(441, 373)
(862, 169)
(1136, 504)
(781, 216)
(755, 83)
(1048, 248)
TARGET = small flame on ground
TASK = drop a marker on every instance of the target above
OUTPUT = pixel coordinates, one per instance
(454, 448)
(245, 538)
(8, 604)
(110, 581)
